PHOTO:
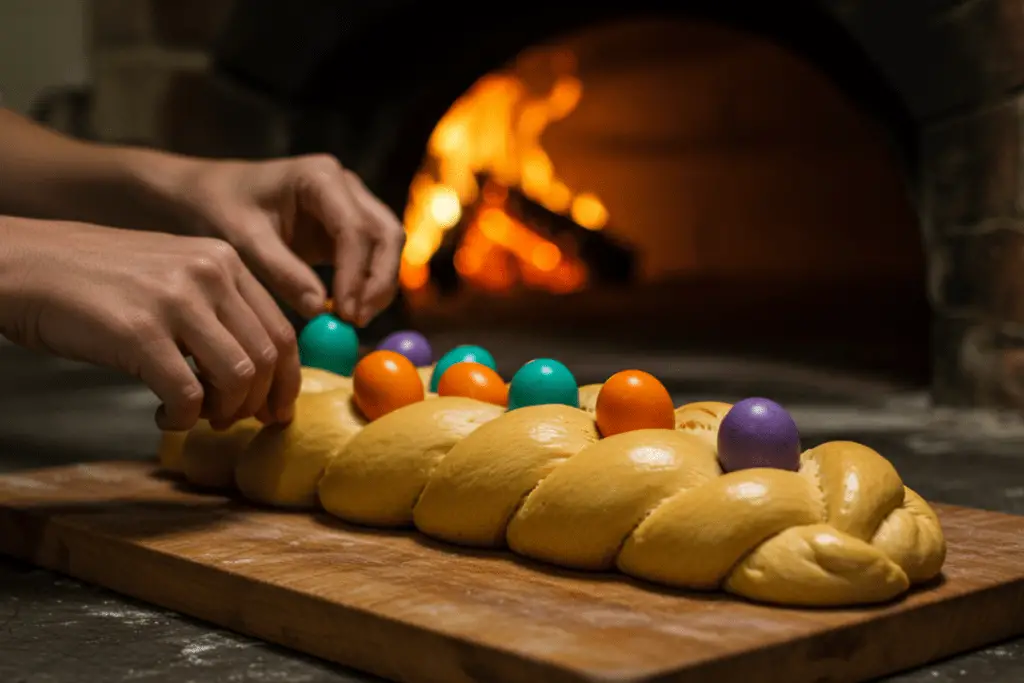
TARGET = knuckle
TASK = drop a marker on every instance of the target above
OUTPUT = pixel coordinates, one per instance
(396, 235)
(213, 262)
(205, 269)
(221, 253)
(178, 288)
(138, 328)
(323, 164)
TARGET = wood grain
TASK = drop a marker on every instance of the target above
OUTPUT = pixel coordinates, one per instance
(400, 606)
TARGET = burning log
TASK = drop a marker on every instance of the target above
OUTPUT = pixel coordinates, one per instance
(507, 231)
(610, 261)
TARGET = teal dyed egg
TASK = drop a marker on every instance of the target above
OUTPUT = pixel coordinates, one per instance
(466, 353)
(543, 381)
(328, 343)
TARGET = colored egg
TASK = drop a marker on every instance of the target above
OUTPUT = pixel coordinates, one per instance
(758, 432)
(384, 381)
(633, 399)
(410, 344)
(466, 353)
(474, 380)
(543, 381)
(328, 343)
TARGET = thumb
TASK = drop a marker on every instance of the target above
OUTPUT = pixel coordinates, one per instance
(283, 272)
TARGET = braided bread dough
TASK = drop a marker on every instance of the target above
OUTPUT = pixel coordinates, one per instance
(210, 456)
(207, 457)
(653, 504)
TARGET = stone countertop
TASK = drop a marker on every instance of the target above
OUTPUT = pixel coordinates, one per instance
(56, 630)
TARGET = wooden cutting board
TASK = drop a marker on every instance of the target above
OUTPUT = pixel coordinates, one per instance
(402, 607)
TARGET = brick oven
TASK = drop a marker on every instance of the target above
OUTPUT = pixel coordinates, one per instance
(849, 166)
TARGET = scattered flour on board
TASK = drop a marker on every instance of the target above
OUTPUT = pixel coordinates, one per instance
(127, 616)
(25, 483)
(99, 473)
(199, 651)
(266, 674)
(260, 532)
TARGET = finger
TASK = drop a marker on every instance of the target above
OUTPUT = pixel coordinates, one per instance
(245, 326)
(351, 257)
(223, 364)
(382, 280)
(386, 252)
(327, 197)
(284, 272)
(287, 374)
(166, 372)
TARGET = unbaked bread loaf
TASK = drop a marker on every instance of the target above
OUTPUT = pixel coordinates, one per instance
(652, 503)
(282, 464)
(207, 457)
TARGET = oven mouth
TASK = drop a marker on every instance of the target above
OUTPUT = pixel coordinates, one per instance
(380, 120)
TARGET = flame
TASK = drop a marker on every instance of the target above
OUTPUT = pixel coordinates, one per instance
(494, 130)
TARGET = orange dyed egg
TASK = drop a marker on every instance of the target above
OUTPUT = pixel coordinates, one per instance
(384, 381)
(473, 380)
(632, 400)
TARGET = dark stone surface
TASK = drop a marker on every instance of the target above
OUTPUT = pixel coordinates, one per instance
(55, 630)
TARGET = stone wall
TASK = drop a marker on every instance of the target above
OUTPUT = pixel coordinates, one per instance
(958, 64)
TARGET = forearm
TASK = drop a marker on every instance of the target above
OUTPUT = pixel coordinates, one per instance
(22, 250)
(44, 174)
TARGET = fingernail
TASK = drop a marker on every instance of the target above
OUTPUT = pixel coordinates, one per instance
(312, 304)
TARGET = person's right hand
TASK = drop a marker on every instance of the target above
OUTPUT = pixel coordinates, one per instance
(144, 302)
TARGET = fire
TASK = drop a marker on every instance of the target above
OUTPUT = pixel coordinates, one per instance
(494, 131)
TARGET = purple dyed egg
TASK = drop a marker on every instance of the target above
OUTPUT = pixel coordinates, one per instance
(410, 344)
(758, 432)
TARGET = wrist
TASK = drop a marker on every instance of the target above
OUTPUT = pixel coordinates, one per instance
(151, 190)
(18, 262)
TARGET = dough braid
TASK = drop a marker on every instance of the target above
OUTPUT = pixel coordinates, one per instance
(653, 504)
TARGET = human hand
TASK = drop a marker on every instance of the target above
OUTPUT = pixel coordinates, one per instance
(143, 302)
(283, 214)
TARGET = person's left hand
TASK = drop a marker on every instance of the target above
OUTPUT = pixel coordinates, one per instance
(284, 214)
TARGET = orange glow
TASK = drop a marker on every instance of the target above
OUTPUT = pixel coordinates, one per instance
(545, 256)
(494, 130)
(588, 211)
(413, 276)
